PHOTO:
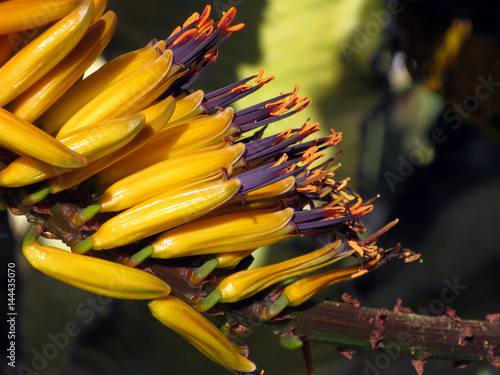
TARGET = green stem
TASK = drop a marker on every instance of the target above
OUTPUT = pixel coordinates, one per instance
(203, 271)
(140, 256)
(83, 246)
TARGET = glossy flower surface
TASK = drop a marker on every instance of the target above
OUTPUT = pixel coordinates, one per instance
(131, 167)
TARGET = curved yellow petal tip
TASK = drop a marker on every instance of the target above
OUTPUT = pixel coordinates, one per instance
(93, 274)
(20, 137)
(22, 15)
(201, 333)
(44, 52)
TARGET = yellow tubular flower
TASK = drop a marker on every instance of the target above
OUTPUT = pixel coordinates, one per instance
(167, 175)
(234, 205)
(158, 214)
(243, 284)
(99, 9)
(231, 258)
(232, 232)
(40, 96)
(156, 117)
(19, 136)
(301, 290)
(201, 333)
(44, 52)
(22, 15)
(93, 274)
(7, 48)
(92, 142)
(199, 132)
(275, 189)
(186, 106)
(122, 98)
(107, 75)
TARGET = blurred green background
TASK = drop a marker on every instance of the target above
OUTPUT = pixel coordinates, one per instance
(368, 82)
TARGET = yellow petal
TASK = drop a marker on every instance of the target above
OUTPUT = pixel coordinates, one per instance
(232, 232)
(200, 332)
(44, 52)
(301, 290)
(107, 75)
(99, 9)
(121, 99)
(160, 213)
(167, 175)
(231, 258)
(156, 117)
(92, 142)
(199, 132)
(40, 96)
(27, 140)
(21, 15)
(97, 140)
(275, 189)
(185, 107)
(7, 47)
(95, 275)
(244, 284)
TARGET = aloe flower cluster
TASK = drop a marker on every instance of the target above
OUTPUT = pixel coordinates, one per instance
(148, 170)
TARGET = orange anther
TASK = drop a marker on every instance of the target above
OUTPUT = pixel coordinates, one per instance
(356, 205)
(186, 36)
(208, 25)
(285, 134)
(176, 30)
(291, 168)
(356, 247)
(234, 28)
(281, 160)
(265, 80)
(279, 111)
(205, 17)
(195, 16)
(309, 127)
(359, 273)
(259, 76)
(242, 87)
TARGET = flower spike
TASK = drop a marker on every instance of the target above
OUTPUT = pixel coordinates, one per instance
(131, 160)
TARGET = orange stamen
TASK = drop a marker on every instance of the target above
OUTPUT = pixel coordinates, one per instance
(195, 16)
(205, 17)
(285, 134)
(259, 75)
(227, 18)
(356, 247)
